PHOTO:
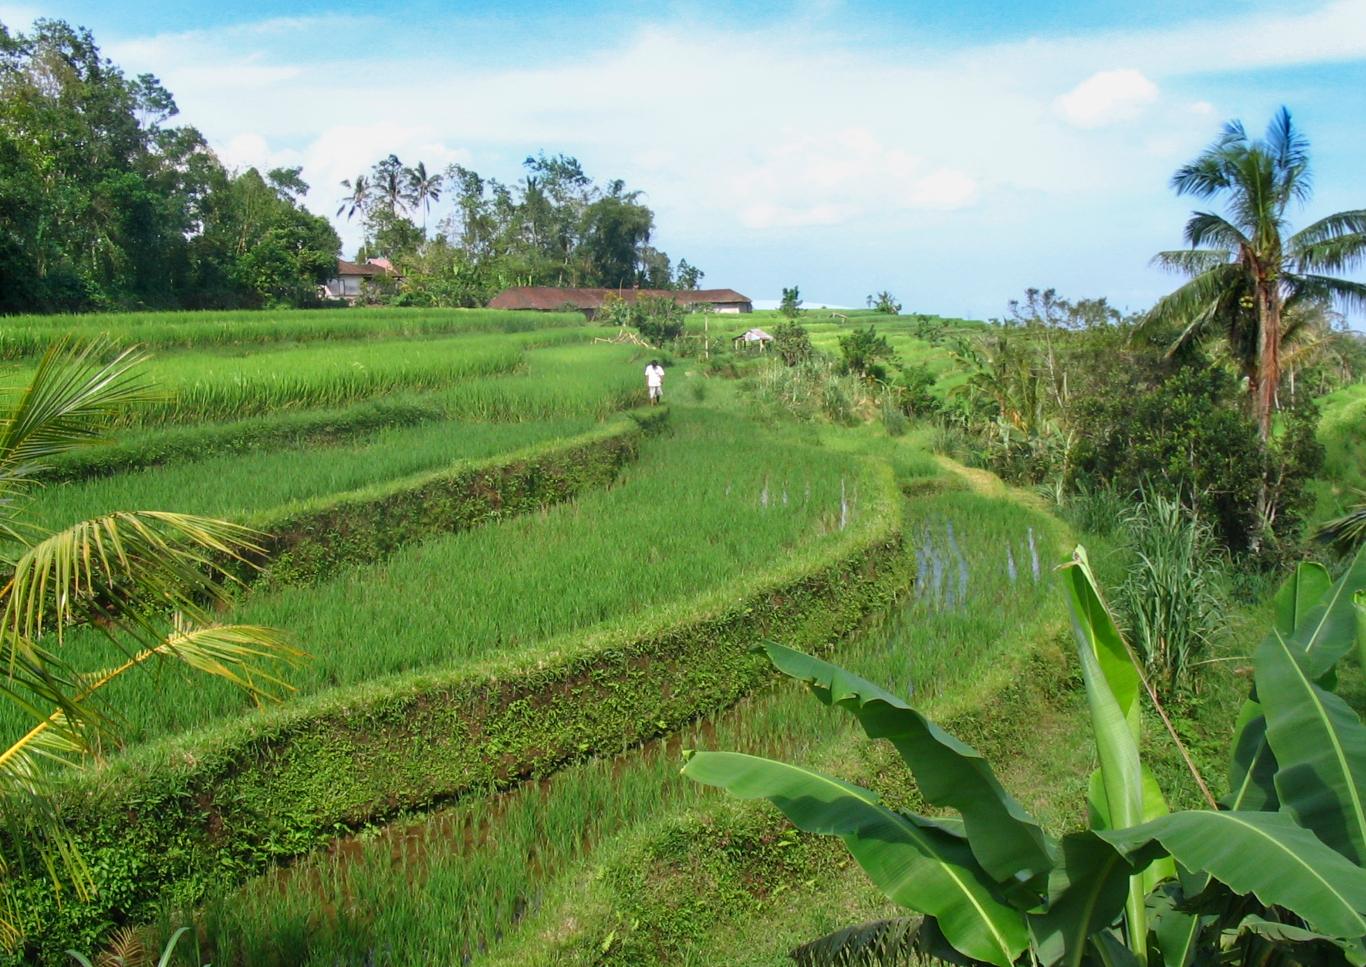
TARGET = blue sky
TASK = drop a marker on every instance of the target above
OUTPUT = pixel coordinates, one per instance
(951, 153)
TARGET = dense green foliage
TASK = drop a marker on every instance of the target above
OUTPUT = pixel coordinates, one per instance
(1252, 284)
(555, 226)
(104, 204)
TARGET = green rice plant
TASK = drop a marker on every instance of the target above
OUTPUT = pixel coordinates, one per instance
(1171, 602)
(565, 381)
(27, 336)
(238, 486)
(468, 880)
(703, 507)
(200, 385)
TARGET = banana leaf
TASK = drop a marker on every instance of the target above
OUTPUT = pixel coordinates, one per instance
(1005, 839)
(916, 864)
(1264, 854)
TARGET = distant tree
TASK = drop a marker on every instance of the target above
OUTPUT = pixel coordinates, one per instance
(863, 350)
(688, 275)
(258, 246)
(791, 304)
(791, 343)
(357, 197)
(884, 301)
(1246, 272)
(1046, 308)
(656, 270)
(424, 189)
(391, 186)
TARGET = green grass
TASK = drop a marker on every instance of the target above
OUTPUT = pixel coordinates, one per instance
(500, 879)
(25, 336)
(575, 380)
(237, 486)
(705, 506)
(204, 385)
(1342, 431)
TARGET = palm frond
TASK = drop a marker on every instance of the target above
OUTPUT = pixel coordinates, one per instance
(1192, 261)
(69, 402)
(1207, 228)
(1193, 307)
(1289, 150)
(1346, 531)
(1341, 254)
(121, 564)
(1351, 222)
(1349, 295)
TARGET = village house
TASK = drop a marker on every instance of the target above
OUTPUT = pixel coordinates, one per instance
(347, 282)
(549, 298)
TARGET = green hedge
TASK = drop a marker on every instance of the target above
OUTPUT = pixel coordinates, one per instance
(312, 539)
(172, 818)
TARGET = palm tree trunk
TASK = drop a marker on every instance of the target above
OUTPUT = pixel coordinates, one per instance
(1268, 355)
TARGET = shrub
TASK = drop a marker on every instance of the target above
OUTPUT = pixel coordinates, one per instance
(1171, 601)
(862, 350)
(791, 343)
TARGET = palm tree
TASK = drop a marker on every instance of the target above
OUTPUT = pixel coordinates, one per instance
(391, 184)
(1247, 272)
(145, 582)
(424, 189)
(356, 198)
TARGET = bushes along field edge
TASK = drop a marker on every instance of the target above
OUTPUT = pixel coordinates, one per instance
(214, 807)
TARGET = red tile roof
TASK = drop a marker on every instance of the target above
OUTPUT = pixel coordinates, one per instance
(366, 268)
(553, 297)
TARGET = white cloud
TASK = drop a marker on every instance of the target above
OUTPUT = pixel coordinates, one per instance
(732, 130)
(1106, 97)
(809, 180)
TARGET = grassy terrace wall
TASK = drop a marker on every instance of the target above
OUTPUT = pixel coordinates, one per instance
(217, 806)
(312, 539)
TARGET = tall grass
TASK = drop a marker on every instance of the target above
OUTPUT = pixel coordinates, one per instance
(25, 336)
(477, 881)
(708, 505)
(1171, 600)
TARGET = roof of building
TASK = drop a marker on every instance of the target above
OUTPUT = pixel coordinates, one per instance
(555, 297)
(371, 268)
(755, 335)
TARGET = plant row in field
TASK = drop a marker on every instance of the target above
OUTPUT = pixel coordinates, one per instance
(696, 512)
(219, 805)
(26, 336)
(565, 381)
(488, 862)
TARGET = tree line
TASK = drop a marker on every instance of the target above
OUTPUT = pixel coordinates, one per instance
(107, 203)
(554, 226)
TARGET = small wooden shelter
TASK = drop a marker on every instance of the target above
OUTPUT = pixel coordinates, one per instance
(751, 338)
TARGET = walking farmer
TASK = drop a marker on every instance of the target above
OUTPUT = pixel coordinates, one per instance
(654, 380)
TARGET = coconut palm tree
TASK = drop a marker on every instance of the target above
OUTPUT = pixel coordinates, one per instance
(356, 198)
(423, 189)
(1247, 270)
(145, 583)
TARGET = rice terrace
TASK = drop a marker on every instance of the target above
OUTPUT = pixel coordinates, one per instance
(415, 566)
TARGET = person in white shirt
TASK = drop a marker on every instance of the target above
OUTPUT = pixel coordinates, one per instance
(654, 381)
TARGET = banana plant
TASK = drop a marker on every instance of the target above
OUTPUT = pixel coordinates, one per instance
(1274, 876)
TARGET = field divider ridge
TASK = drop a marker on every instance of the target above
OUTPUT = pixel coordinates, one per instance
(311, 539)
